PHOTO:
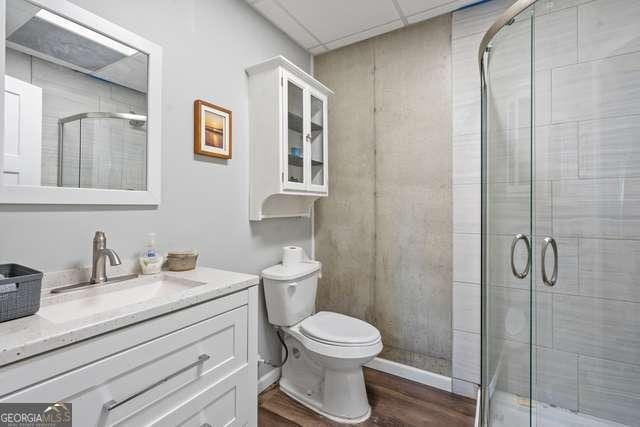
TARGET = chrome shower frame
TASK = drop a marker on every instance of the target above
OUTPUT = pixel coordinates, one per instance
(483, 58)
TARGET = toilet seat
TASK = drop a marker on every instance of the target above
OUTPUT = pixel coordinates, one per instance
(337, 329)
(334, 350)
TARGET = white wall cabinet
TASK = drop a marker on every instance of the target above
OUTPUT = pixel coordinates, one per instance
(196, 366)
(289, 140)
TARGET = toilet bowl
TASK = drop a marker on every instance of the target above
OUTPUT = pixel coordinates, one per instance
(326, 349)
(324, 372)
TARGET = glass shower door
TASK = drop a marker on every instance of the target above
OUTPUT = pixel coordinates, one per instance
(508, 218)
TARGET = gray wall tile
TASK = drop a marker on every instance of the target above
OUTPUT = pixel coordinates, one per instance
(466, 208)
(70, 80)
(464, 388)
(466, 159)
(466, 258)
(18, 64)
(610, 269)
(608, 28)
(608, 208)
(512, 214)
(511, 318)
(556, 151)
(556, 40)
(602, 88)
(609, 147)
(466, 356)
(466, 307)
(555, 373)
(610, 390)
(509, 155)
(465, 85)
(549, 6)
(597, 327)
(511, 366)
(542, 105)
(59, 102)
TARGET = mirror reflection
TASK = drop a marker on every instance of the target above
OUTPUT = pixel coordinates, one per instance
(75, 104)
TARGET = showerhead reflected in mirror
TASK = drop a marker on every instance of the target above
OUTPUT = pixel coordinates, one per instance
(75, 104)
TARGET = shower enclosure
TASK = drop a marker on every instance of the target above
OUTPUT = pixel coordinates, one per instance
(561, 214)
(102, 150)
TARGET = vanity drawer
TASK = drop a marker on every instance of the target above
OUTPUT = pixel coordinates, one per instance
(222, 403)
(170, 370)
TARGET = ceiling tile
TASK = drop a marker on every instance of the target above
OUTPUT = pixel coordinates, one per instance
(411, 7)
(363, 35)
(330, 20)
(281, 19)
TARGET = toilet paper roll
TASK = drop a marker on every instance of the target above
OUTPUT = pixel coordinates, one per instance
(292, 255)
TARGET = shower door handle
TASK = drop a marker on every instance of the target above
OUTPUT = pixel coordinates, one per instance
(554, 276)
(514, 270)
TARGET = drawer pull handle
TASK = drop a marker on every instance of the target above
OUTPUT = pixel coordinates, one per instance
(113, 404)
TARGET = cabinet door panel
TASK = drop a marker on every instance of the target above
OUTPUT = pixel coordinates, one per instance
(318, 142)
(295, 133)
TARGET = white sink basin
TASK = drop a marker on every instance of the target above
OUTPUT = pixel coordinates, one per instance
(111, 296)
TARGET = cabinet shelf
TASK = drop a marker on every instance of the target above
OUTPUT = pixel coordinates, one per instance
(295, 124)
(299, 161)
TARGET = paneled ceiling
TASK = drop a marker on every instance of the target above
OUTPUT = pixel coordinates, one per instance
(323, 25)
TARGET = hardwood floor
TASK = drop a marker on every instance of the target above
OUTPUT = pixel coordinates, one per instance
(394, 402)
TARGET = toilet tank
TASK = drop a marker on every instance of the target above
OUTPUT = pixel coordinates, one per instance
(290, 292)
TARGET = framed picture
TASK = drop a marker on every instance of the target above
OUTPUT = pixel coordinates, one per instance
(212, 132)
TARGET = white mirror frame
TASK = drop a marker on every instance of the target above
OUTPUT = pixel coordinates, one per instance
(25, 194)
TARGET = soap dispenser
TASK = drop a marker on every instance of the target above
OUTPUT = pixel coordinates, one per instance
(151, 260)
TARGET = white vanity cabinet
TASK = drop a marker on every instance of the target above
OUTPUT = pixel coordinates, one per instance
(195, 367)
(289, 139)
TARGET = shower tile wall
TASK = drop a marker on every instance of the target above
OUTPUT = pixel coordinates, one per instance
(587, 196)
(114, 154)
(384, 232)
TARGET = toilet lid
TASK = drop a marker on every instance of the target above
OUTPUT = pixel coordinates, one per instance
(338, 329)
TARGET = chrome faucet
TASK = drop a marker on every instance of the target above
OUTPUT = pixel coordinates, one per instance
(100, 254)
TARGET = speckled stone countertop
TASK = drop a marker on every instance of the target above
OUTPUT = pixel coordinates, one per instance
(50, 328)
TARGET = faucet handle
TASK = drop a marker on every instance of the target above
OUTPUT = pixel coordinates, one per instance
(99, 238)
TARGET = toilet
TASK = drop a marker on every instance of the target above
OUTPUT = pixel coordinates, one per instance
(326, 350)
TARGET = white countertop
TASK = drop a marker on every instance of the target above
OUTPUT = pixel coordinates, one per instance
(32, 335)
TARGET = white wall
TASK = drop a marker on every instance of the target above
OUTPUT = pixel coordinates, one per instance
(207, 45)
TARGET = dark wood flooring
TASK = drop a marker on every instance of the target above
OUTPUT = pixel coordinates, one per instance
(394, 402)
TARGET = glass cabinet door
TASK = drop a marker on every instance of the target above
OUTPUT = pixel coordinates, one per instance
(295, 135)
(317, 141)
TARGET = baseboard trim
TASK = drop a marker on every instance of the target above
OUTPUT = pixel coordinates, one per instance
(267, 379)
(410, 373)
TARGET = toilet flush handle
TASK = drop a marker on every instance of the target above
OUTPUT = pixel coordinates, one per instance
(293, 284)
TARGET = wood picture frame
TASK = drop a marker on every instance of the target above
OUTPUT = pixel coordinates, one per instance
(212, 133)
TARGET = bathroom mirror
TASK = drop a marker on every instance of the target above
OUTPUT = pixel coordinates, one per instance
(81, 108)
